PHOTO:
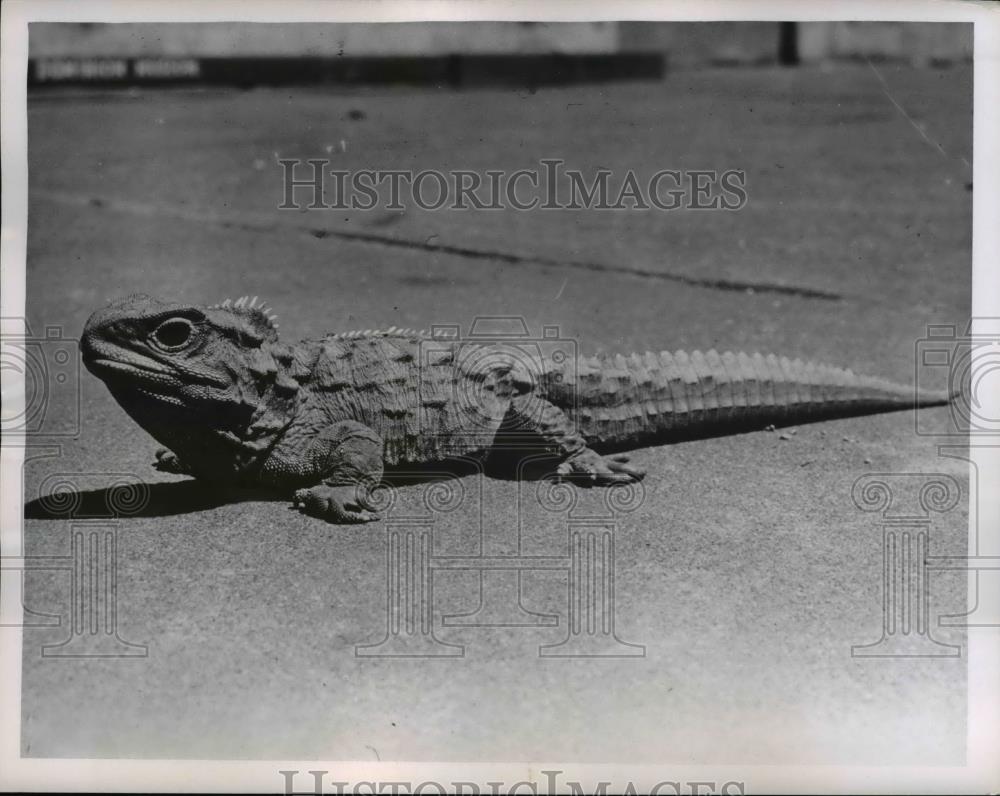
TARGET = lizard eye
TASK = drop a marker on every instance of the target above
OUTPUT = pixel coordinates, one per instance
(173, 334)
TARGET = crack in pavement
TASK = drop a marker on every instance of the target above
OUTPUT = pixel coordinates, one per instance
(245, 221)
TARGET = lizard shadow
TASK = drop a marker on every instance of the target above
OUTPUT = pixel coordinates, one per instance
(173, 498)
(161, 499)
(521, 460)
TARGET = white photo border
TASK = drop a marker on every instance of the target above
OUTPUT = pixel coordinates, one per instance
(982, 770)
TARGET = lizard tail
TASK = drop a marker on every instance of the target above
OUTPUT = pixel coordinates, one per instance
(623, 400)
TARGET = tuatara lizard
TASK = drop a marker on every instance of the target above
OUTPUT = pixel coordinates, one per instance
(321, 418)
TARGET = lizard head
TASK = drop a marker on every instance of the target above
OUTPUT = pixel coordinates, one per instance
(217, 365)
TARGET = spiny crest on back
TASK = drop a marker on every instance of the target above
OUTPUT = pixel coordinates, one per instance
(256, 314)
(392, 331)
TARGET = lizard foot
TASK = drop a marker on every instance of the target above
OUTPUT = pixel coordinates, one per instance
(167, 462)
(591, 469)
(340, 504)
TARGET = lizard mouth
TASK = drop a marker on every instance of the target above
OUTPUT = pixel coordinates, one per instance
(130, 376)
(149, 375)
(126, 369)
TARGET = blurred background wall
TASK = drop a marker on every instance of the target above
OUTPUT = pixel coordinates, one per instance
(684, 43)
(720, 43)
(241, 39)
(464, 52)
(921, 43)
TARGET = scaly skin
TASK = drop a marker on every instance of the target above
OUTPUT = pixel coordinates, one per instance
(320, 419)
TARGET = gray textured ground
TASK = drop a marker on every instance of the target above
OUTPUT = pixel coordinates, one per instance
(747, 572)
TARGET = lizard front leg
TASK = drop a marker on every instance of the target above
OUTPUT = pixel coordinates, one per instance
(346, 460)
(580, 464)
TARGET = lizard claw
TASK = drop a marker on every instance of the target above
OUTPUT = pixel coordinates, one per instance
(590, 469)
(339, 504)
(167, 462)
(620, 464)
